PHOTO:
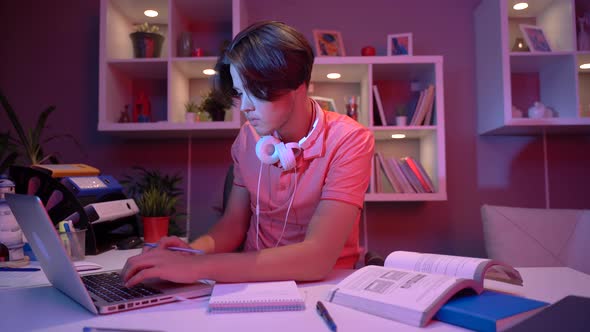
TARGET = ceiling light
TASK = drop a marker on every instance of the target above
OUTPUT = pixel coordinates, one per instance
(150, 13)
(585, 66)
(209, 71)
(398, 136)
(521, 6)
(333, 76)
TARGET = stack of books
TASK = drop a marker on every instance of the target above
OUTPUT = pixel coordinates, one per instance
(406, 175)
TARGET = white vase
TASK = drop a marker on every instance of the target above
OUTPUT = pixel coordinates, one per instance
(401, 120)
(537, 111)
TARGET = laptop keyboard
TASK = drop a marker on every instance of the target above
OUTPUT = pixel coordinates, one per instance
(109, 287)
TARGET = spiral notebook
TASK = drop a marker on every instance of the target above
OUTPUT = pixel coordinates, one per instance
(256, 297)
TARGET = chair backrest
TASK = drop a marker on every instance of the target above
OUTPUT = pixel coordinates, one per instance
(537, 237)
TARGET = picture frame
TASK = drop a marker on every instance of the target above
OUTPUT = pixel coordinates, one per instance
(535, 38)
(400, 44)
(328, 43)
(327, 104)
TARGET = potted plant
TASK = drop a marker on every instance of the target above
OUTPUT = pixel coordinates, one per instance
(401, 116)
(215, 104)
(157, 196)
(147, 41)
(27, 147)
(191, 111)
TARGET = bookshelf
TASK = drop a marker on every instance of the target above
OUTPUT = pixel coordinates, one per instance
(172, 80)
(169, 81)
(394, 76)
(506, 78)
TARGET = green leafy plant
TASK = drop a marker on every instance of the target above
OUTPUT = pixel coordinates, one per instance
(28, 144)
(145, 27)
(191, 107)
(154, 203)
(215, 104)
(155, 193)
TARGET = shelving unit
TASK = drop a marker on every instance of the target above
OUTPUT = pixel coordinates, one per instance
(171, 81)
(506, 78)
(393, 75)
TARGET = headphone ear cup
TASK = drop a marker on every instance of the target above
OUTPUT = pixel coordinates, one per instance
(266, 150)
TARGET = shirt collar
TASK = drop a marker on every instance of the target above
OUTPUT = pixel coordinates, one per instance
(314, 146)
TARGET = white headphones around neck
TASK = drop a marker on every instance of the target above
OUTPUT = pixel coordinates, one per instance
(271, 150)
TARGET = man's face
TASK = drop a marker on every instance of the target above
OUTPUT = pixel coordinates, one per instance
(265, 116)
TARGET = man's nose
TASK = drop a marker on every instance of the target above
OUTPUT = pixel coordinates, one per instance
(246, 104)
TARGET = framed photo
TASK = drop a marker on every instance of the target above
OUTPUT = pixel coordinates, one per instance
(328, 43)
(535, 38)
(327, 104)
(399, 44)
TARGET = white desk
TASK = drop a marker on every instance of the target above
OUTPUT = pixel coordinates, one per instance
(46, 309)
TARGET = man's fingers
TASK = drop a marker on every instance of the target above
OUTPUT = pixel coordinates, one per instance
(135, 264)
(146, 273)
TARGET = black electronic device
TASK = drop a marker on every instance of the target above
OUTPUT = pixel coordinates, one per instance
(60, 203)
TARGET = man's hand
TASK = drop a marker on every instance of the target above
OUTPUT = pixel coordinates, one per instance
(161, 263)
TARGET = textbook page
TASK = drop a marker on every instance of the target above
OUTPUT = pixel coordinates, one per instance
(406, 296)
(456, 266)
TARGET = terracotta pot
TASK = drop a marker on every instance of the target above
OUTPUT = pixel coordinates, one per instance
(155, 228)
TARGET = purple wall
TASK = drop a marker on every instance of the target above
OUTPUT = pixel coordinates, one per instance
(49, 55)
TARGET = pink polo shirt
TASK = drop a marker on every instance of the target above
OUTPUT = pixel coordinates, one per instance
(335, 164)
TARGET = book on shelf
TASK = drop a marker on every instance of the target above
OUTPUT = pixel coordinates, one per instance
(413, 102)
(416, 168)
(379, 106)
(489, 311)
(389, 173)
(394, 164)
(425, 104)
(256, 297)
(411, 287)
(376, 176)
(412, 178)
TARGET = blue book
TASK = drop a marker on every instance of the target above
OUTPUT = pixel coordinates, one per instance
(488, 311)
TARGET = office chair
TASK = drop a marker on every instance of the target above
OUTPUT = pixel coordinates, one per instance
(537, 237)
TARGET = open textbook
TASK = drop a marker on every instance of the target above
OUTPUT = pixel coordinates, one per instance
(411, 287)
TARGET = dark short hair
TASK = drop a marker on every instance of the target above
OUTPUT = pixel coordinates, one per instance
(271, 57)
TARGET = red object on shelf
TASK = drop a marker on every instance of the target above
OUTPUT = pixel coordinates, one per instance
(368, 51)
(142, 110)
(197, 51)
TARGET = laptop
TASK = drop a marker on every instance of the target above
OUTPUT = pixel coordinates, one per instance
(100, 293)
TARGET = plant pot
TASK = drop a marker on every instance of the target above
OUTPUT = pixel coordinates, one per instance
(155, 228)
(191, 117)
(218, 115)
(146, 44)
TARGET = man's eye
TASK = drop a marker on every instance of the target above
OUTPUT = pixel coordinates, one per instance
(235, 93)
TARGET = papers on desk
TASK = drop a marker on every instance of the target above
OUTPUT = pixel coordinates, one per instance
(256, 297)
(23, 279)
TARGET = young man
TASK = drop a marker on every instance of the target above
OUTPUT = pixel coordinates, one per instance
(295, 211)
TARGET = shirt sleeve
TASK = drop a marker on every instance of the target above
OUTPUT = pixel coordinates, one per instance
(237, 149)
(350, 171)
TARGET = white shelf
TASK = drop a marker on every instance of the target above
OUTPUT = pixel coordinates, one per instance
(506, 78)
(390, 197)
(170, 81)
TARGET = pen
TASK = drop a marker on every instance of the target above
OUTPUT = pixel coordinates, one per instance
(19, 269)
(193, 251)
(323, 312)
